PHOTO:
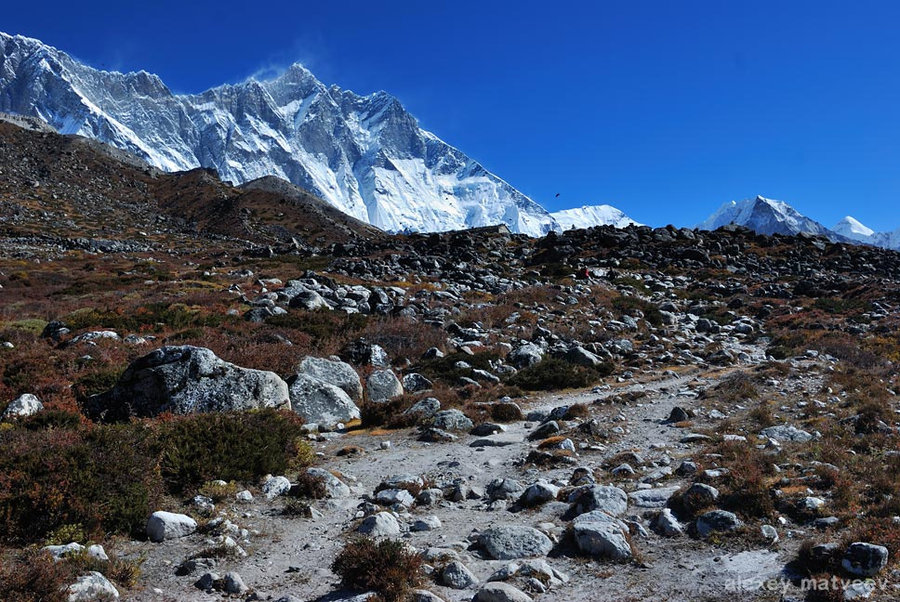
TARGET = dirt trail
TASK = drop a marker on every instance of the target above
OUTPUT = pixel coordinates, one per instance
(291, 556)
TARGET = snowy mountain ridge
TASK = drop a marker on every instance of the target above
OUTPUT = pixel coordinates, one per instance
(589, 216)
(855, 230)
(765, 216)
(366, 155)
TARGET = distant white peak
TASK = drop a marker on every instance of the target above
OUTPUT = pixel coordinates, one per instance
(588, 216)
(853, 228)
(764, 216)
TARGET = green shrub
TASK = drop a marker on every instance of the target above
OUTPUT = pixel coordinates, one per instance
(320, 324)
(230, 447)
(109, 478)
(386, 567)
(51, 419)
(626, 304)
(552, 374)
(105, 479)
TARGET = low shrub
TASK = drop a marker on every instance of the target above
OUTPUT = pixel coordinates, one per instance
(105, 479)
(231, 447)
(553, 374)
(109, 478)
(388, 413)
(309, 486)
(506, 412)
(218, 490)
(33, 576)
(386, 567)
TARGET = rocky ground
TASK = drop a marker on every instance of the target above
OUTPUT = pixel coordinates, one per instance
(227, 406)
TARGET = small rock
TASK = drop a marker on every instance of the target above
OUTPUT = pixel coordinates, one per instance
(500, 592)
(91, 587)
(382, 524)
(457, 576)
(169, 525)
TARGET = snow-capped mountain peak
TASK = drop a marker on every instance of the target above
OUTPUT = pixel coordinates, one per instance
(764, 216)
(853, 228)
(588, 216)
(366, 155)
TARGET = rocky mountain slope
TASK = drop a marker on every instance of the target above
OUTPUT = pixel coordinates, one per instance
(366, 155)
(78, 192)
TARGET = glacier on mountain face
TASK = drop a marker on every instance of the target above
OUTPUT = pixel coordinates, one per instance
(588, 216)
(366, 155)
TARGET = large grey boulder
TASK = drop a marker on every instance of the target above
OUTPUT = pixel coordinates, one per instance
(600, 535)
(334, 372)
(786, 432)
(509, 542)
(607, 498)
(309, 300)
(717, 521)
(22, 407)
(91, 587)
(383, 385)
(525, 355)
(864, 559)
(169, 525)
(187, 380)
(319, 402)
(457, 576)
(382, 524)
(452, 420)
(334, 487)
(666, 524)
(425, 408)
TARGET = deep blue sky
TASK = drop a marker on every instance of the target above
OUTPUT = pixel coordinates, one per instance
(665, 109)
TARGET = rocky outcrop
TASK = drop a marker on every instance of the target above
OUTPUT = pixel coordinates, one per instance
(187, 380)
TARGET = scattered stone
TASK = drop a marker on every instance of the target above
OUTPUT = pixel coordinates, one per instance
(383, 385)
(319, 402)
(717, 521)
(786, 432)
(457, 576)
(510, 542)
(425, 408)
(500, 592)
(452, 420)
(426, 523)
(538, 493)
(599, 534)
(606, 498)
(169, 525)
(864, 559)
(22, 407)
(414, 382)
(334, 487)
(91, 587)
(665, 524)
(382, 524)
(275, 486)
(334, 372)
(232, 583)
